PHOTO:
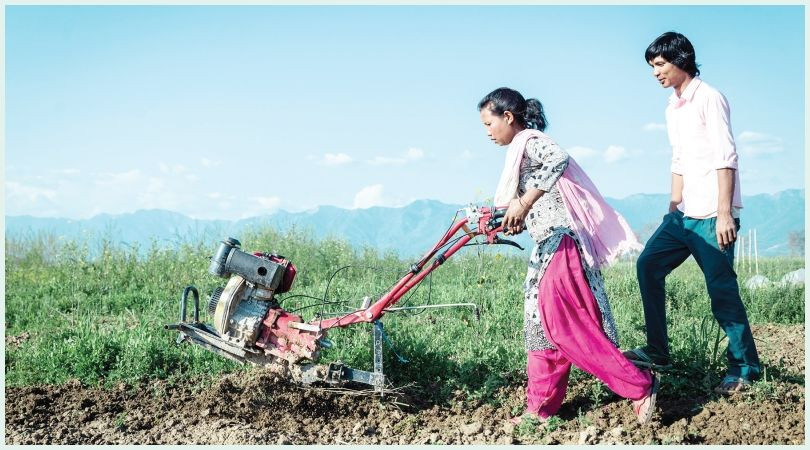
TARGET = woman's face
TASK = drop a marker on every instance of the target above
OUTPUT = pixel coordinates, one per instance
(500, 129)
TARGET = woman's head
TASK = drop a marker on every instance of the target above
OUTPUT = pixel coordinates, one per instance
(676, 49)
(504, 113)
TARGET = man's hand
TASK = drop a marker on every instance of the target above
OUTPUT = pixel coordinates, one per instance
(676, 197)
(726, 230)
(514, 219)
(673, 205)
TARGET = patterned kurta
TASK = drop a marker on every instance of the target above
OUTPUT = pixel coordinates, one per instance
(542, 165)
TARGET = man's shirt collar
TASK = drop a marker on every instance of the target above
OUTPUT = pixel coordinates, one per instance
(687, 95)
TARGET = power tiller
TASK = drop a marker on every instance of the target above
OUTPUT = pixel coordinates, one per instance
(250, 326)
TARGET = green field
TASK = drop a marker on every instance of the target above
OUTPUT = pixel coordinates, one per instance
(100, 319)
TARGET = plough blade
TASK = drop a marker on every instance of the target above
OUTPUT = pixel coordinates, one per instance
(335, 373)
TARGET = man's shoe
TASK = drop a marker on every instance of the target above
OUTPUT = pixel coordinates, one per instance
(732, 384)
(645, 358)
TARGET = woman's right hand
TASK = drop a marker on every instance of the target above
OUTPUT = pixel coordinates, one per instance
(515, 218)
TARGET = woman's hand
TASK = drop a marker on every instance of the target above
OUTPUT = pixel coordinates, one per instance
(515, 218)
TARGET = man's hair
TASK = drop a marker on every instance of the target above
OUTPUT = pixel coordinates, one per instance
(676, 49)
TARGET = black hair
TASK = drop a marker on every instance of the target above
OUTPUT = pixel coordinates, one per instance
(528, 113)
(676, 49)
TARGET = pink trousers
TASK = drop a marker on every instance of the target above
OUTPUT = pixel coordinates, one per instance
(572, 322)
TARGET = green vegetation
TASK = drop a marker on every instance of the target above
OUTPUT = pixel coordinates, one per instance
(101, 318)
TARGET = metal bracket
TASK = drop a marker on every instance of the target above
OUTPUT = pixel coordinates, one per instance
(379, 377)
(183, 298)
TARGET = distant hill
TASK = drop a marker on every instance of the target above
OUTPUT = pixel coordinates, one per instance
(410, 230)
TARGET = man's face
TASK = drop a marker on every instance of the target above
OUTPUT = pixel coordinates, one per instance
(667, 74)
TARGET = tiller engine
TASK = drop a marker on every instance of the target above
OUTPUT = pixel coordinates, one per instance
(250, 326)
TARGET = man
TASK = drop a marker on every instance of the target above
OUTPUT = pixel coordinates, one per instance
(703, 217)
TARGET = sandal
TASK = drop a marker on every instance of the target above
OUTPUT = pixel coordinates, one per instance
(645, 407)
(732, 384)
(644, 358)
(527, 416)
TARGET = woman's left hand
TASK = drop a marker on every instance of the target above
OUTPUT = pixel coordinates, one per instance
(515, 218)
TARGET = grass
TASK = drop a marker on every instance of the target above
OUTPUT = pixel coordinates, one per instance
(100, 318)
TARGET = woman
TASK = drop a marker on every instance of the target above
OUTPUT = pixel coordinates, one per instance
(567, 318)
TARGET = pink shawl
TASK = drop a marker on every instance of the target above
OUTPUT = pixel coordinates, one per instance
(603, 232)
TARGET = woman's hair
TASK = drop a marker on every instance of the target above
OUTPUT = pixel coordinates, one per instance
(528, 113)
(676, 49)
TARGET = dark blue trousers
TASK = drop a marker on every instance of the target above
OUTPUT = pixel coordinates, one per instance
(670, 245)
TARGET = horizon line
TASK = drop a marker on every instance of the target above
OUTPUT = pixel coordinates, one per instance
(315, 208)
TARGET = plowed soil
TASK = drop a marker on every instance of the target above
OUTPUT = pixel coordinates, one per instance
(258, 408)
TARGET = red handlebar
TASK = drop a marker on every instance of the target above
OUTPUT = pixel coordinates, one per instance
(484, 221)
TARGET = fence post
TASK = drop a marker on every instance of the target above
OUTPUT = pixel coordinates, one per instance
(750, 232)
(737, 254)
(756, 252)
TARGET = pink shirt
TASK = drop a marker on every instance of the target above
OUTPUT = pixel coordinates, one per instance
(699, 129)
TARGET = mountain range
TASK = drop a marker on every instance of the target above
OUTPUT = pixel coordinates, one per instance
(410, 230)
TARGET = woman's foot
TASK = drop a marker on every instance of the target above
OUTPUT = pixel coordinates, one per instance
(527, 416)
(645, 406)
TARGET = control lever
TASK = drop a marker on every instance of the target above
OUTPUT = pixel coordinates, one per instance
(498, 240)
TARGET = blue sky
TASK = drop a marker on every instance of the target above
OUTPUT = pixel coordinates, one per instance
(231, 112)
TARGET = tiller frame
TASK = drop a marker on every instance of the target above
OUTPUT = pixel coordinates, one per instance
(287, 345)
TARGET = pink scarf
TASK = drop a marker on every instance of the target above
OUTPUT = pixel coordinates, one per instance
(603, 232)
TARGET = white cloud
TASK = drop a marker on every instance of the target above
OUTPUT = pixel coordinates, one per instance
(155, 185)
(414, 154)
(147, 191)
(752, 136)
(369, 196)
(411, 155)
(176, 169)
(48, 196)
(580, 153)
(179, 170)
(159, 193)
(112, 192)
(19, 192)
(250, 207)
(466, 154)
(751, 143)
(110, 178)
(615, 153)
(209, 163)
(65, 171)
(386, 161)
(652, 126)
(268, 202)
(222, 201)
(333, 159)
